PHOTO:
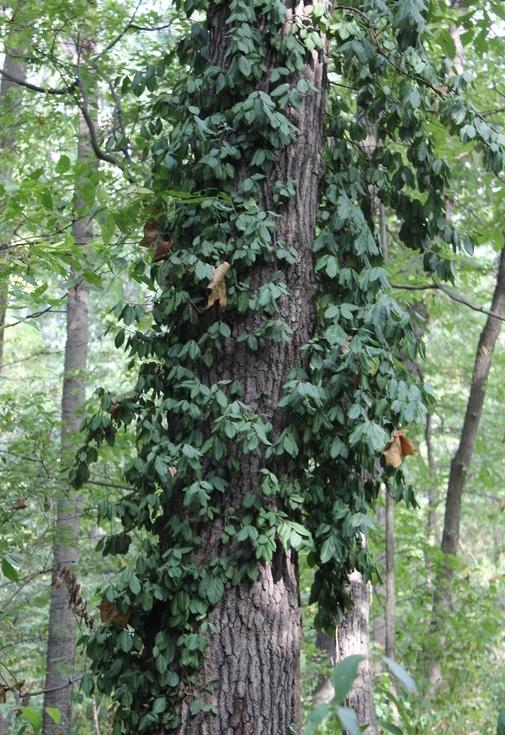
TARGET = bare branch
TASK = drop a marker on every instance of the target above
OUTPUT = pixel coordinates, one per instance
(451, 294)
(84, 108)
(43, 90)
(135, 27)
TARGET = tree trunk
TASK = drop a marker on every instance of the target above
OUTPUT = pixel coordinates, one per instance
(352, 639)
(378, 627)
(253, 649)
(461, 460)
(14, 66)
(442, 599)
(324, 690)
(390, 576)
(353, 632)
(432, 489)
(62, 624)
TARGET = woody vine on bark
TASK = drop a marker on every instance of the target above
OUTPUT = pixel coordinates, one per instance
(261, 413)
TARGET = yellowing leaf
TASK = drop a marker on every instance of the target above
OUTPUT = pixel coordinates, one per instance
(218, 286)
(397, 448)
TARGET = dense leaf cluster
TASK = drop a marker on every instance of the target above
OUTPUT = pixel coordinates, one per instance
(216, 138)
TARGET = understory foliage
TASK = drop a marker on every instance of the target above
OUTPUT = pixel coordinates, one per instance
(215, 138)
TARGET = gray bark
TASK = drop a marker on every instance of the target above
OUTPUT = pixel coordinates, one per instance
(352, 639)
(62, 623)
(15, 66)
(442, 598)
(432, 489)
(253, 651)
(463, 457)
(390, 577)
(378, 627)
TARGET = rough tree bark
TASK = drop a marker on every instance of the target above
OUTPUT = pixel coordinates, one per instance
(253, 651)
(461, 460)
(14, 66)
(353, 639)
(62, 623)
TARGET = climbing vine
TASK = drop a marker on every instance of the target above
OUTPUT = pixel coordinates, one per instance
(215, 142)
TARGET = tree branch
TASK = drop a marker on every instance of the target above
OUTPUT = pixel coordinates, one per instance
(451, 294)
(84, 108)
(43, 90)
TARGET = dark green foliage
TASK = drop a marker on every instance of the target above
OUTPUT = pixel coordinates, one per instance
(191, 431)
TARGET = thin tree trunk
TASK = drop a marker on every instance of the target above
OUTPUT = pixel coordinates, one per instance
(352, 639)
(94, 713)
(442, 598)
(461, 460)
(253, 649)
(378, 627)
(62, 623)
(353, 636)
(14, 66)
(324, 690)
(390, 576)
(432, 490)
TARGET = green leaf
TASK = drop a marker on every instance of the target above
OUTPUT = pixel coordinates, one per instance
(108, 227)
(349, 720)
(9, 570)
(125, 641)
(344, 675)
(87, 191)
(316, 718)
(400, 673)
(389, 727)
(135, 585)
(195, 706)
(55, 714)
(214, 590)
(500, 728)
(328, 549)
(160, 705)
(62, 167)
(245, 66)
(32, 716)
(87, 684)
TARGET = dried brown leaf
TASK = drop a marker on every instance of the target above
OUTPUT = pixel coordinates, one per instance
(162, 251)
(151, 232)
(397, 448)
(110, 614)
(218, 286)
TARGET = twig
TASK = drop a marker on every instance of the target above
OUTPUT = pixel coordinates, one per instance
(29, 316)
